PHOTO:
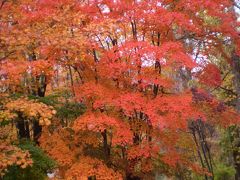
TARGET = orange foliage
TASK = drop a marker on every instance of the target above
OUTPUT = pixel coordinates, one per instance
(10, 155)
(88, 166)
(32, 110)
(57, 148)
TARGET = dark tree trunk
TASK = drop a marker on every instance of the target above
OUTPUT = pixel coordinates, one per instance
(92, 178)
(42, 90)
(130, 177)
(37, 129)
(41, 80)
(236, 72)
(23, 129)
(200, 131)
(27, 130)
(106, 147)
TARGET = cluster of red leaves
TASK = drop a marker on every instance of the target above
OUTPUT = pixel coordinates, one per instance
(118, 62)
(145, 149)
(14, 71)
(94, 122)
(40, 67)
(211, 76)
(99, 122)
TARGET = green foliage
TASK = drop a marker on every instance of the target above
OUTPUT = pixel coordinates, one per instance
(4, 123)
(3, 119)
(224, 166)
(208, 19)
(229, 144)
(41, 165)
(15, 95)
(197, 176)
(50, 100)
(226, 142)
(223, 172)
(70, 110)
(60, 101)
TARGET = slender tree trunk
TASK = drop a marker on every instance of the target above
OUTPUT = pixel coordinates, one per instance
(23, 128)
(106, 147)
(27, 130)
(37, 130)
(71, 79)
(199, 132)
(42, 85)
(236, 72)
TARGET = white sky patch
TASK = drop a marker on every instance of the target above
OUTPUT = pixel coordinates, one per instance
(237, 10)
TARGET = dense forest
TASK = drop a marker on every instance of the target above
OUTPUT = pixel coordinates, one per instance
(119, 89)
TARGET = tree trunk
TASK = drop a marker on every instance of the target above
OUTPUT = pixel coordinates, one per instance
(23, 128)
(106, 147)
(236, 72)
(130, 177)
(37, 129)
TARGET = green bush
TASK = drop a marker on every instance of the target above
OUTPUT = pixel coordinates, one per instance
(70, 110)
(41, 165)
(223, 172)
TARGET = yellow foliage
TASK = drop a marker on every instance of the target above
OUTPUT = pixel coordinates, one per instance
(31, 109)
